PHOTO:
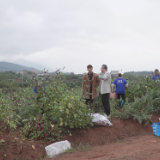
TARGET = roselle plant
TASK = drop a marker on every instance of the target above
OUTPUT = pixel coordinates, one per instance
(39, 128)
(8, 117)
(55, 103)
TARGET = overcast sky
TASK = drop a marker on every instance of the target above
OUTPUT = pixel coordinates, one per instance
(124, 34)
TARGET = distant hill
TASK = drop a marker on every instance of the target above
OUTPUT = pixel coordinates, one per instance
(7, 66)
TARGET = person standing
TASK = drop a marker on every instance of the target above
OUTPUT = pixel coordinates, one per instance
(156, 76)
(105, 89)
(90, 83)
(120, 84)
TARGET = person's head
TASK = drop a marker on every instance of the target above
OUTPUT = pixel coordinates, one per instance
(104, 68)
(156, 72)
(119, 75)
(90, 68)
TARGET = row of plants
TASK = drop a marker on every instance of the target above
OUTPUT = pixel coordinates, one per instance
(142, 100)
(47, 114)
(56, 108)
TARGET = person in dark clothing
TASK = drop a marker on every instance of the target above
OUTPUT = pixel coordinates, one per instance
(89, 84)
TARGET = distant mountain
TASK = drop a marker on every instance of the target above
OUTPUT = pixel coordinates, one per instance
(7, 66)
(34, 64)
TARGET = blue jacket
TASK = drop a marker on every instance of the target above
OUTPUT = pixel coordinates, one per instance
(154, 78)
(35, 89)
(120, 85)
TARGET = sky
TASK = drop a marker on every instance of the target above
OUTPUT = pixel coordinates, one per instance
(124, 34)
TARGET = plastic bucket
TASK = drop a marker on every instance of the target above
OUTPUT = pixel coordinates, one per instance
(113, 95)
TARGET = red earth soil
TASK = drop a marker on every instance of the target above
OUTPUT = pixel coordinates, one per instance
(134, 148)
(102, 139)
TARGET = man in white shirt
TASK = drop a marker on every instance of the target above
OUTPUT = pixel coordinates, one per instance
(105, 89)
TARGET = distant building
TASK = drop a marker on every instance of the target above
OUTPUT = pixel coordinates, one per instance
(114, 73)
(21, 72)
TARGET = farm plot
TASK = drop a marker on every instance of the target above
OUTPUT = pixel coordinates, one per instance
(56, 112)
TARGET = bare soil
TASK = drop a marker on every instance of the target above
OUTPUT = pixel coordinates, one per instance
(124, 140)
(134, 148)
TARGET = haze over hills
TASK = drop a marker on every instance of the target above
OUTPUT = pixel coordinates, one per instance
(7, 66)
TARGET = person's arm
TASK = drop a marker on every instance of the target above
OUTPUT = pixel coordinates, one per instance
(35, 90)
(153, 78)
(97, 82)
(113, 87)
(83, 82)
(126, 84)
(104, 77)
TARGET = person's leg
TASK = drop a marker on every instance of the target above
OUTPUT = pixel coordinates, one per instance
(123, 99)
(88, 101)
(106, 104)
(118, 96)
(103, 101)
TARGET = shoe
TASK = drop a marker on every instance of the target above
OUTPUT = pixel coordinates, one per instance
(109, 118)
(105, 115)
(122, 103)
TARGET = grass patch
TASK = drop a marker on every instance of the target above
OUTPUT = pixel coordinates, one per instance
(79, 147)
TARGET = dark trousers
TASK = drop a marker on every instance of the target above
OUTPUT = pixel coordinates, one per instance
(121, 96)
(89, 101)
(105, 102)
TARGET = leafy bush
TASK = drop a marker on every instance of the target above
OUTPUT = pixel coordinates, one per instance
(8, 118)
(72, 112)
(59, 104)
(142, 100)
(39, 128)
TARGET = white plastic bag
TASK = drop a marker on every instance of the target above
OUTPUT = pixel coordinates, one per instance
(101, 120)
(57, 148)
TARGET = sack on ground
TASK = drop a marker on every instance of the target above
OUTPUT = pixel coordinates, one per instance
(156, 129)
(57, 148)
(101, 120)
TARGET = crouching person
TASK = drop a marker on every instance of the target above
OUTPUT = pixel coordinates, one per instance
(120, 84)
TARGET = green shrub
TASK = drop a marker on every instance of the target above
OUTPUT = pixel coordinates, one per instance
(8, 117)
(59, 104)
(72, 112)
(39, 128)
(140, 109)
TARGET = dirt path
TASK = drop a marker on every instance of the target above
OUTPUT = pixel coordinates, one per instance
(123, 140)
(135, 148)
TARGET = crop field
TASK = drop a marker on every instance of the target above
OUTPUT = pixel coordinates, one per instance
(29, 121)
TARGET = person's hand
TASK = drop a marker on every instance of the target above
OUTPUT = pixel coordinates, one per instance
(96, 75)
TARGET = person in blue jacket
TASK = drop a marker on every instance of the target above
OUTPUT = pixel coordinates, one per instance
(156, 76)
(35, 90)
(120, 84)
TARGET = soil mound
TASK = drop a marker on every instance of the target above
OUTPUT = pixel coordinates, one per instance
(99, 135)
(14, 148)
